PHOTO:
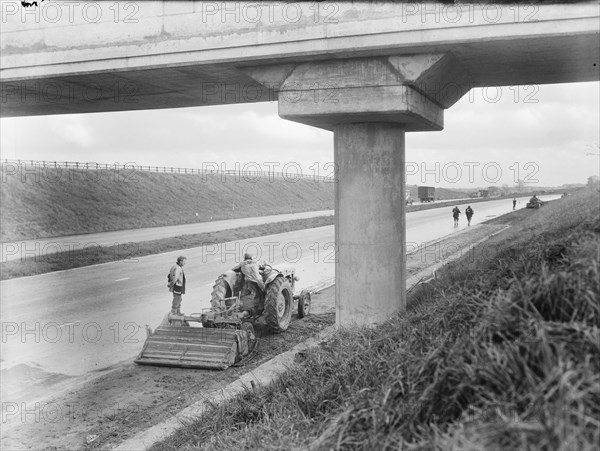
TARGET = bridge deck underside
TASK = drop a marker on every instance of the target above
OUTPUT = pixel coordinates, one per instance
(149, 84)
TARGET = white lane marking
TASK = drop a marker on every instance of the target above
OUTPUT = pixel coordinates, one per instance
(119, 280)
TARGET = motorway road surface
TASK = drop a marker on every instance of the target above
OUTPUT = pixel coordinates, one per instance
(14, 250)
(80, 320)
(29, 248)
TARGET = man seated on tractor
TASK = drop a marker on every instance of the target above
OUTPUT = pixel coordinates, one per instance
(253, 287)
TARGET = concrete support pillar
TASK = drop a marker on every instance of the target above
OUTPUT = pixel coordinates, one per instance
(370, 222)
(369, 104)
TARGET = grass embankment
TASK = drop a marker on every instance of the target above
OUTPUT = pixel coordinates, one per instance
(501, 352)
(95, 255)
(59, 202)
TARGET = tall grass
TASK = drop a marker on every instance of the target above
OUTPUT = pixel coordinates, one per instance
(500, 353)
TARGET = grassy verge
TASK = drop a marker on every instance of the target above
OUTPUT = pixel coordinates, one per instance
(95, 255)
(502, 351)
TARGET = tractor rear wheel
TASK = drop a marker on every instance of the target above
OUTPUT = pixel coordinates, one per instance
(221, 290)
(278, 305)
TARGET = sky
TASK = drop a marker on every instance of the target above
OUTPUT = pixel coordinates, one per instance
(544, 135)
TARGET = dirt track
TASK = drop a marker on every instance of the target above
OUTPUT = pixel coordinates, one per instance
(113, 407)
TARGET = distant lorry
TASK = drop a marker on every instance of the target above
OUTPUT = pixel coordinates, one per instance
(426, 193)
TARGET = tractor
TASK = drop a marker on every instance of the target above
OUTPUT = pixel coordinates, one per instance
(227, 334)
(534, 203)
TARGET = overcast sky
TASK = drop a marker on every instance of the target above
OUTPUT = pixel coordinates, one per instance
(547, 135)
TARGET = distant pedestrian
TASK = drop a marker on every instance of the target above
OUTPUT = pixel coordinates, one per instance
(455, 213)
(514, 203)
(177, 284)
(469, 212)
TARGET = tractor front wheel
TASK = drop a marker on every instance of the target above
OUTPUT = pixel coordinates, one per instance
(303, 303)
(278, 305)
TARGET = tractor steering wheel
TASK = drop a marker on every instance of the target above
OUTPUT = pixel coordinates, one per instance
(267, 268)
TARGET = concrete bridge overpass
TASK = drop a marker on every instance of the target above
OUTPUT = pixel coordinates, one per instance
(370, 73)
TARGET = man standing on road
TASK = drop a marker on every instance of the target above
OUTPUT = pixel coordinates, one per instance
(514, 203)
(469, 212)
(455, 214)
(177, 284)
